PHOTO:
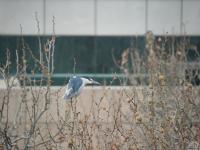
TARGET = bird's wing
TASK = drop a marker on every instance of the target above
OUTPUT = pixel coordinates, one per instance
(75, 83)
(73, 87)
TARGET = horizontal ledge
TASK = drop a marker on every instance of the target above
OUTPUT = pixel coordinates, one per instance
(96, 75)
(80, 34)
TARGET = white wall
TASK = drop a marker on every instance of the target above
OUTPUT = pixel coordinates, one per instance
(16, 12)
(101, 17)
(164, 16)
(120, 17)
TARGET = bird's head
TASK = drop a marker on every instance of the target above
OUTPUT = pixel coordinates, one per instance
(90, 81)
(93, 82)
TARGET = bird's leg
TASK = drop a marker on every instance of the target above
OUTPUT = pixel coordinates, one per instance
(71, 104)
(66, 114)
(72, 109)
(67, 111)
(72, 125)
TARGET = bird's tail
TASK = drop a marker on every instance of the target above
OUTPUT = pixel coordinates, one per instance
(67, 94)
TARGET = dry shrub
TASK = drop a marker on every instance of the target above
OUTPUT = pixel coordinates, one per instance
(163, 113)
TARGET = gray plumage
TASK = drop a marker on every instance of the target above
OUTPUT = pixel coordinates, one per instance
(75, 86)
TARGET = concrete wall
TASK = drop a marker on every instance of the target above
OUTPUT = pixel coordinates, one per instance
(106, 96)
(100, 112)
(101, 17)
(96, 105)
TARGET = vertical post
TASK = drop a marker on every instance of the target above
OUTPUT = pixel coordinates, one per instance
(44, 17)
(95, 36)
(181, 18)
(95, 17)
(146, 15)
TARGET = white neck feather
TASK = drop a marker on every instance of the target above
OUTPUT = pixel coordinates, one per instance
(86, 81)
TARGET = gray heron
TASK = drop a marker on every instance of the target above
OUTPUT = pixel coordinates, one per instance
(76, 85)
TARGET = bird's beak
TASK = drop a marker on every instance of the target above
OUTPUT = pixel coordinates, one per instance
(95, 83)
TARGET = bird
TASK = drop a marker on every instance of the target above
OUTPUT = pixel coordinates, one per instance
(75, 86)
